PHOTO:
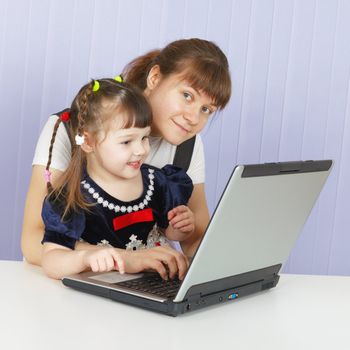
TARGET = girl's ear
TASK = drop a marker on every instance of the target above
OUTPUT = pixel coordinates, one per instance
(87, 145)
(153, 78)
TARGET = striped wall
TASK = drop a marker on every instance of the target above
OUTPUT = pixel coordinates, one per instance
(290, 64)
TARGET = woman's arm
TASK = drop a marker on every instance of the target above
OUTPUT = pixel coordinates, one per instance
(33, 226)
(198, 205)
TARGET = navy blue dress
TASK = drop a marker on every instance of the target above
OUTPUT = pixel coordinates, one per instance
(126, 225)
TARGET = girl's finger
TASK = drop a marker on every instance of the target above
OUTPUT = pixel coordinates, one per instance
(120, 265)
(181, 261)
(182, 208)
(188, 228)
(182, 223)
(171, 214)
(101, 264)
(179, 218)
(182, 264)
(94, 266)
(109, 261)
(178, 210)
(176, 262)
(159, 267)
(171, 263)
(166, 257)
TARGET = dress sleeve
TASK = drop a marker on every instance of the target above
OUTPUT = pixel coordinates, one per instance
(176, 189)
(64, 233)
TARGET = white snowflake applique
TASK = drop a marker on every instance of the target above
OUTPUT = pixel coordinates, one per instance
(104, 243)
(156, 238)
(134, 243)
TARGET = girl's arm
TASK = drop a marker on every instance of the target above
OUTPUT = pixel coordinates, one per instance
(59, 261)
(198, 205)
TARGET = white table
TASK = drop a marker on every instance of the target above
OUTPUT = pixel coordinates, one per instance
(302, 312)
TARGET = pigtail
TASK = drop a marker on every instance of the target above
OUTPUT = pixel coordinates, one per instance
(74, 197)
(83, 106)
(71, 184)
(67, 189)
(136, 71)
(47, 169)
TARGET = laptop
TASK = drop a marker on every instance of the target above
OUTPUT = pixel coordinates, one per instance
(250, 236)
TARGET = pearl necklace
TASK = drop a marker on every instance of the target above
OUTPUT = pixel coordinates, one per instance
(122, 208)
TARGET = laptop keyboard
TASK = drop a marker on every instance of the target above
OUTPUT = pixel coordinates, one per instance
(155, 285)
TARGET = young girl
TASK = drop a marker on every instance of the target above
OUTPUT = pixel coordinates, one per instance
(107, 196)
(185, 83)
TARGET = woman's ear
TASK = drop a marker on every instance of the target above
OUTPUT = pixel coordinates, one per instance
(153, 78)
(87, 146)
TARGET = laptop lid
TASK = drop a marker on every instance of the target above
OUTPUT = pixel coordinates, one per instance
(257, 220)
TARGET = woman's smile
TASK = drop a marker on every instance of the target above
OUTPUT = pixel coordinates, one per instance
(182, 127)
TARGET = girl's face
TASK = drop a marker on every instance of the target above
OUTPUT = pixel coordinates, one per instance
(119, 153)
(179, 111)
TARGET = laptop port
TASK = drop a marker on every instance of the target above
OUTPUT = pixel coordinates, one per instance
(233, 296)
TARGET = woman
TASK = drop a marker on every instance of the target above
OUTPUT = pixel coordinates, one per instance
(185, 83)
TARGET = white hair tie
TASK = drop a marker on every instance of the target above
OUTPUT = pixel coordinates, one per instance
(79, 140)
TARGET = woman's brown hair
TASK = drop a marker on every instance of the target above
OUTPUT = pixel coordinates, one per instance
(89, 112)
(200, 62)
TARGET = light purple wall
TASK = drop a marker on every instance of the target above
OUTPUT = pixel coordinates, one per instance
(290, 64)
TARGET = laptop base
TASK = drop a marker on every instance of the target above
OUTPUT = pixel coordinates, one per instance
(197, 297)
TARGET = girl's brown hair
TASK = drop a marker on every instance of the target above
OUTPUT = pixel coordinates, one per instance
(200, 62)
(89, 112)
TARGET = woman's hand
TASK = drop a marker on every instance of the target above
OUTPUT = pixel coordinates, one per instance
(181, 223)
(165, 260)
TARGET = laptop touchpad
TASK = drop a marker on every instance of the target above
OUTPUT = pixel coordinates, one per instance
(115, 277)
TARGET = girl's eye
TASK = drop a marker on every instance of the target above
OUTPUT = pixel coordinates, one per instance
(188, 96)
(125, 142)
(145, 138)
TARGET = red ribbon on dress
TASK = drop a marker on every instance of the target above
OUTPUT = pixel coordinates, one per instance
(144, 215)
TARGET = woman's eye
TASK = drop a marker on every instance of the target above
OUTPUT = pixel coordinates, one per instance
(145, 138)
(125, 142)
(206, 110)
(188, 96)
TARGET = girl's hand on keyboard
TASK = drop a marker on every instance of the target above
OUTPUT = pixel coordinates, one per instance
(104, 259)
(161, 259)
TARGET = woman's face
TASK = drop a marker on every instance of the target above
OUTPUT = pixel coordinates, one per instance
(179, 110)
